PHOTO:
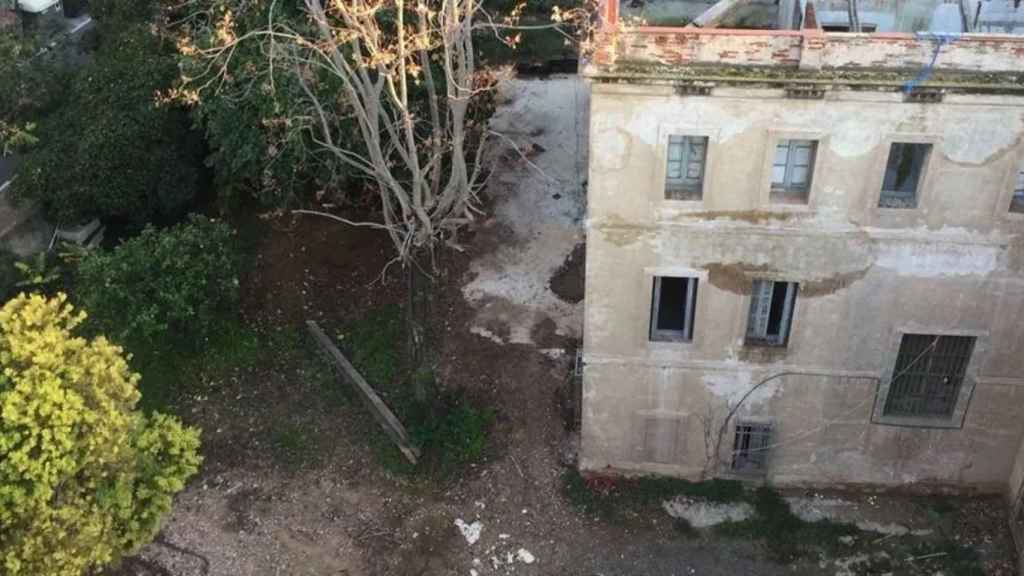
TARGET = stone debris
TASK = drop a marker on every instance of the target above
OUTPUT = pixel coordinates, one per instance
(524, 556)
(701, 514)
(814, 509)
(470, 531)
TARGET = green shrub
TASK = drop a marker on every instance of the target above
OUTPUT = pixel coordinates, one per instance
(112, 150)
(29, 91)
(175, 283)
(84, 477)
(121, 10)
(9, 275)
(785, 535)
(450, 430)
(454, 435)
(375, 344)
(256, 119)
(608, 495)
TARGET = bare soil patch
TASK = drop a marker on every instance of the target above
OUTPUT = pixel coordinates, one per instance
(568, 281)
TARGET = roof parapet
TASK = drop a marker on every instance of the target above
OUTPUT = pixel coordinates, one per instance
(807, 50)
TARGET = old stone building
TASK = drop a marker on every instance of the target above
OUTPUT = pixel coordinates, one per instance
(805, 254)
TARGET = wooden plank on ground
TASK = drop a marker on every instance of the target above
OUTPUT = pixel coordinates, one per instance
(384, 416)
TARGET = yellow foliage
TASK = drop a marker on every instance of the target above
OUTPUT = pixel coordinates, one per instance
(84, 477)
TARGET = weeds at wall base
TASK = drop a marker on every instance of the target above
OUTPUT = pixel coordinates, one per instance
(787, 539)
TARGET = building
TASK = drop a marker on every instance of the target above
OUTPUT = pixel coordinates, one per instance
(805, 253)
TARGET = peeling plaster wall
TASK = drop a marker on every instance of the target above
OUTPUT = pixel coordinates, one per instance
(866, 275)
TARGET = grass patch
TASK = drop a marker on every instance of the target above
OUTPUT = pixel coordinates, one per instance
(293, 444)
(786, 538)
(374, 346)
(958, 560)
(785, 535)
(608, 497)
(169, 371)
(450, 430)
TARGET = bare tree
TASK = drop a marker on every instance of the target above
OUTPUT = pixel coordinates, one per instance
(406, 80)
(392, 93)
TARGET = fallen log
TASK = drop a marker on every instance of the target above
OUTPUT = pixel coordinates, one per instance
(384, 416)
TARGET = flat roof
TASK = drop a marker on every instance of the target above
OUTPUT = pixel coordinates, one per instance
(884, 16)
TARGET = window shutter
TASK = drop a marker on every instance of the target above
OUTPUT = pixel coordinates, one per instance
(695, 160)
(760, 308)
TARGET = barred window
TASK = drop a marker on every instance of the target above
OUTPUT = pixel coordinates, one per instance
(750, 447)
(928, 374)
(684, 176)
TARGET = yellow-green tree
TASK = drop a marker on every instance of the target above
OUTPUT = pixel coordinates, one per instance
(84, 476)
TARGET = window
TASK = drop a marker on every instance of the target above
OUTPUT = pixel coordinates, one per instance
(672, 308)
(927, 377)
(791, 170)
(867, 28)
(750, 447)
(903, 175)
(771, 312)
(684, 176)
(1017, 203)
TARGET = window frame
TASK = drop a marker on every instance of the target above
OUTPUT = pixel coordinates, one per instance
(786, 187)
(669, 207)
(922, 176)
(655, 334)
(770, 199)
(966, 390)
(826, 25)
(753, 430)
(1017, 193)
(920, 364)
(696, 189)
(877, 216)
(786, 322)
(1004, 206)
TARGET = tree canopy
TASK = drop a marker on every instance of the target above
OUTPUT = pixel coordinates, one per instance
(113, 149)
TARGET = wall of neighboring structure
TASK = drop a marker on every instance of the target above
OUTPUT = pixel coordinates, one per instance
(953, 265)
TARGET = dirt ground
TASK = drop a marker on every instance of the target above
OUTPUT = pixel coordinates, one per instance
(292, 483)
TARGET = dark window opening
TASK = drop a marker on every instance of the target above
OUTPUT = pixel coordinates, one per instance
(1017, 202)
(672, 308)
(866, 28)
(928, 375)
(750, 447)
(903, 175)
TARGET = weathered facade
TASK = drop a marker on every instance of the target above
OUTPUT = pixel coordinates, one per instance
(805, 254)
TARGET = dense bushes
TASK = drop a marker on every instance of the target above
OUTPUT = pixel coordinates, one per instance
(9, 276)
(258, 121)
(32, 86)
(170, 285)
(113, 150)
(121, 10)
(84, 477)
